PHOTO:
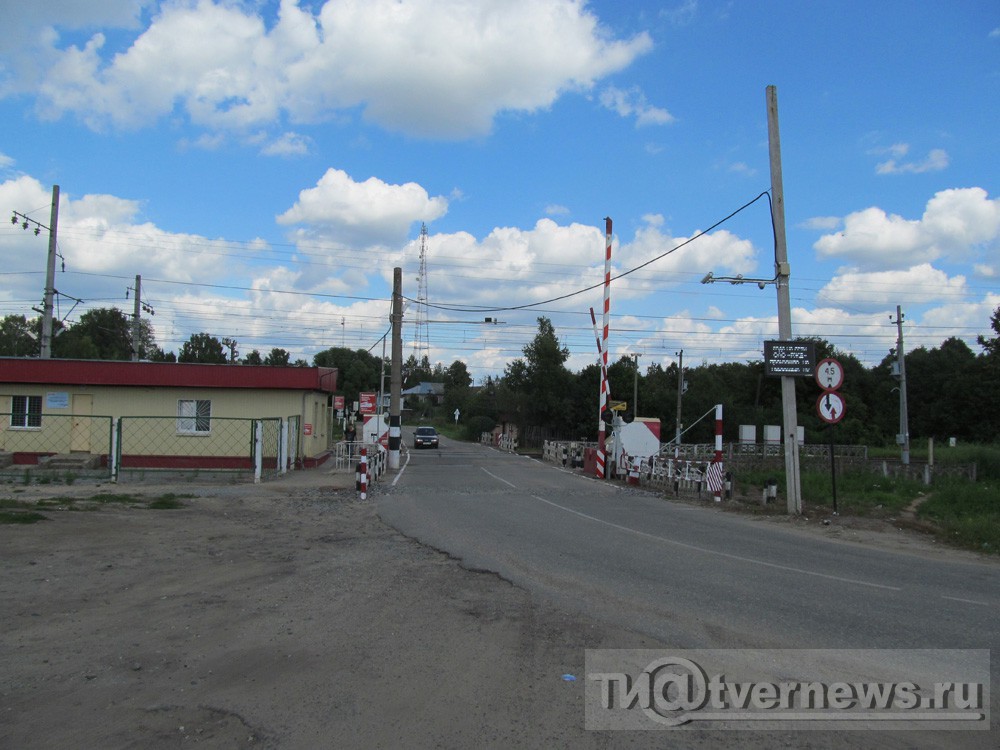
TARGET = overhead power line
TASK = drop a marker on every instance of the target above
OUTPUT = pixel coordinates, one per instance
(675, 248)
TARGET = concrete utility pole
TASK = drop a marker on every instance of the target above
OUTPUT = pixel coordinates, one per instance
(904, 418)
(782, 274)
(635, 384)
(135, 318)
(48, 307)
(680, 393)
(396, 369)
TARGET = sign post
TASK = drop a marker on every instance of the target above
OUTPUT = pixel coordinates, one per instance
(830, 406)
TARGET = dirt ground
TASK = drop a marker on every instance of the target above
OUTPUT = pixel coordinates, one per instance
(279, 615)
(284, 614)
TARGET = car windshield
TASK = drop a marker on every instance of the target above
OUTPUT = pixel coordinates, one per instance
(426, 431)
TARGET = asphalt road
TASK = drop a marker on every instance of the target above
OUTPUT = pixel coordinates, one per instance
(688, 576)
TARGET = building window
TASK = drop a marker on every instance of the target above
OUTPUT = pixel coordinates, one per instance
(25, 411)
(194, 417)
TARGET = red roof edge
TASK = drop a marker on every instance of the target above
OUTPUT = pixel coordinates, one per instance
(165, 374)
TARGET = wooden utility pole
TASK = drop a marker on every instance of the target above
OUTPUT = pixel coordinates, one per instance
(396, 368)
(781, 275)
(48, 306)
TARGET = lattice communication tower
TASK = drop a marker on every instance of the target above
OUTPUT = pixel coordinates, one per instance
(421, 338)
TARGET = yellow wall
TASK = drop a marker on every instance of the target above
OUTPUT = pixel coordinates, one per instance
(111, 401)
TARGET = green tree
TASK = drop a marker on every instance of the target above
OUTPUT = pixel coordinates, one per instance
(16, 338)
(417, 372)
(991, 346)
(158, 355)
(457, 382)
(203, 348)
(937, 387)
(103, 333)
(232, 345)
(253, 358)
(277, 358)
(539, 384)
(357, 371)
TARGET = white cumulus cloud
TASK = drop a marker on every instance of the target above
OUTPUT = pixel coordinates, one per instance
(362, 213)
(957, 224)
(877, 290)
(434, 68)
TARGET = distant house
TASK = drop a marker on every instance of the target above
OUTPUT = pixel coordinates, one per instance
(425, 393)
(161, 414)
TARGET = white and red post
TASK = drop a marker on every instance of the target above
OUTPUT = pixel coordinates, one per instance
(603, 401)
(603, 348)
(715, 474)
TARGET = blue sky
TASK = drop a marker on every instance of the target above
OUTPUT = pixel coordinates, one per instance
(264, 166)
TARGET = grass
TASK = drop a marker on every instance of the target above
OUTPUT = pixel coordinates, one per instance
(20, 516)
(961, 513)
(15, 511)
(167, 502)
(967, 514)
(6, 502)
(858, 493)
(109, 497)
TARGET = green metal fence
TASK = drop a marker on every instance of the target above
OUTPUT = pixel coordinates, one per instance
(294, 446)
(39, 446)
(46, 442)
(224, 445)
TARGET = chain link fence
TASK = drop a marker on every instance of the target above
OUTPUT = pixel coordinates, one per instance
(46, 447)
(228, 447)
(40, 445)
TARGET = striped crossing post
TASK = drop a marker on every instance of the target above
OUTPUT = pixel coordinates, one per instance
(715, 473)
(602, 404)
(601, 439)
(364, 473)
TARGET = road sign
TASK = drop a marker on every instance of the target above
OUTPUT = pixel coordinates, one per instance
(829, 374)
(618, 405)
(789, 358)
(830, 406)
(368, 400)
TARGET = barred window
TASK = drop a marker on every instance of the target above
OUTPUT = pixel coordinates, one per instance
(194, 417)
(25, 411)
